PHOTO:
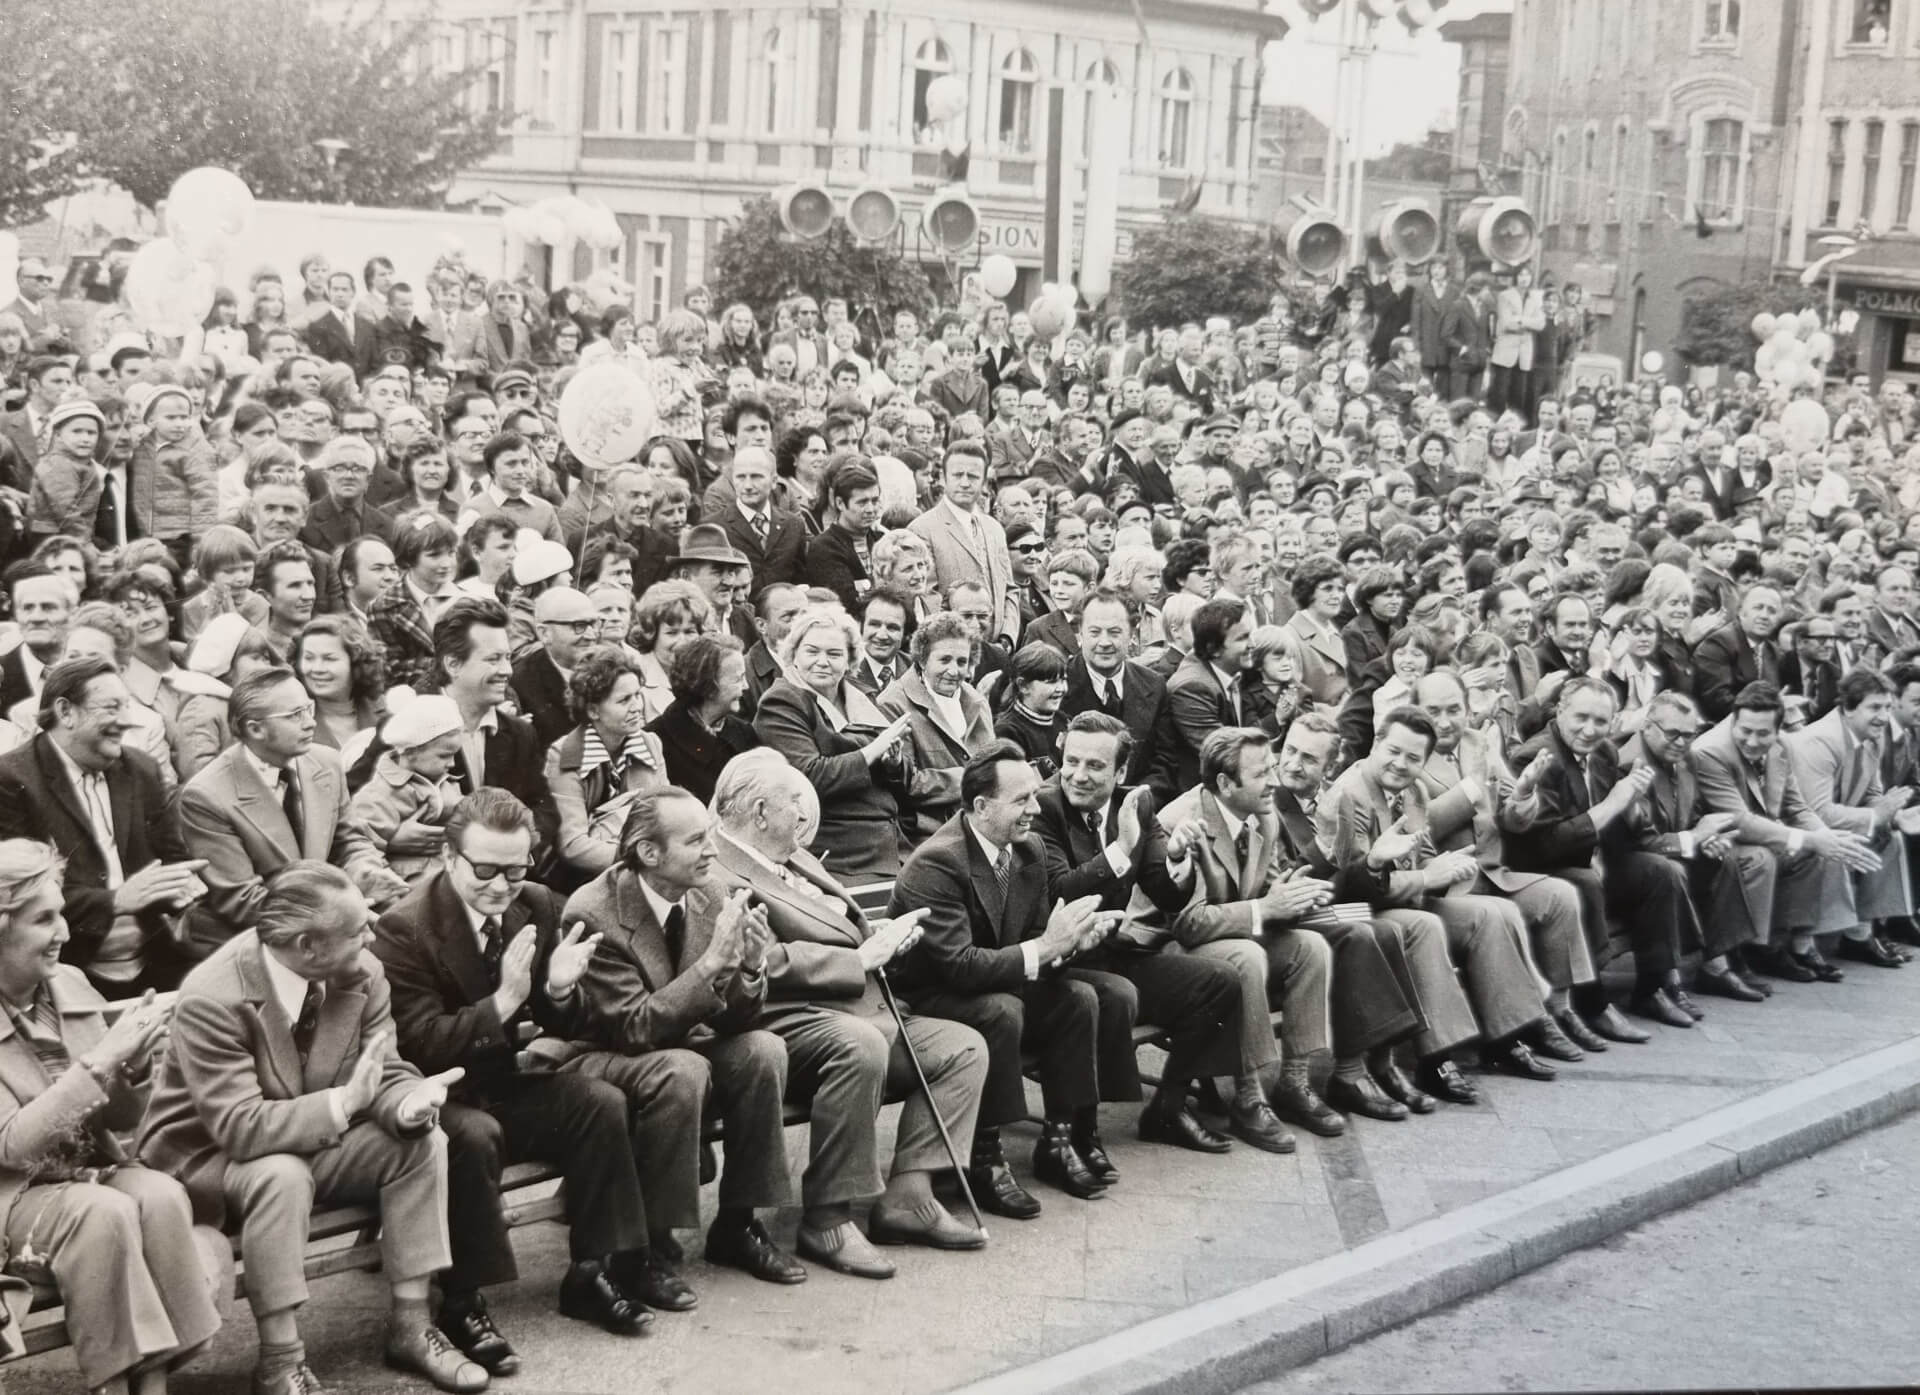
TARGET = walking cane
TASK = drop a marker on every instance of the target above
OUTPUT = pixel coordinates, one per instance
(959, 1168)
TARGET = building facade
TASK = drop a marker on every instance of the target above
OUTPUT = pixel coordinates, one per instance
(673, 112)
(1669, 144)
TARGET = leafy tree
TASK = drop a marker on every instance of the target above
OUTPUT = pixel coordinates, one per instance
(1194, 266)
(186, 83)
(44, 69)
(757, 262)
(1716, 319)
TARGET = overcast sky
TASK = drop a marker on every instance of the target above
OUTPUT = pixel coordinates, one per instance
(1412, 85)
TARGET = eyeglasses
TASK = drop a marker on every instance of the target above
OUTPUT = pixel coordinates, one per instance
(1028, 549)
(579, 627)
(514, 872)
(35, 276)
(302, 713)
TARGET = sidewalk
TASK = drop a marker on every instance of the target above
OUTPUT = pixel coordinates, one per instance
(1178, 1229)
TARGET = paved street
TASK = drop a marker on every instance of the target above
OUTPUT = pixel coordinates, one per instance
(1176, 1230)
(1799, 1278)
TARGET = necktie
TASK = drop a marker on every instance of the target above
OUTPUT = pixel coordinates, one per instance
(295, 807)
(676, 932)
(106, 520)
(1111, 703)
(760, 527)
(1003, 870)
(1856, 771)
(309, 1020)
(1243, 843)
(1095, 824)
(493, 948)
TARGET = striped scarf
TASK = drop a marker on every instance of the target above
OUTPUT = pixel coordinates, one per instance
(594, 754)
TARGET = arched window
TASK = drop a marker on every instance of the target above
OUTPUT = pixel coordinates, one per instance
(1098, 75)
(1176, 119)
(931, 60)
(770, 82)
(1019, 75)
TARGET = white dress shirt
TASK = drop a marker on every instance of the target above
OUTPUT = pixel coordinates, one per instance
(290, 991)
(1029, 949)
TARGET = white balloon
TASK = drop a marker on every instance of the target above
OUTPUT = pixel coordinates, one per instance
(1820, 346)
(1809, 322)
(1764, 359)
(548, 228)
(606, 414)
(1805, 424)
(208, 210)
(946, 98)
(997, 275)
(168, 291)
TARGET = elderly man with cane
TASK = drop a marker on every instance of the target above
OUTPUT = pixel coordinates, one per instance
(849, 1048)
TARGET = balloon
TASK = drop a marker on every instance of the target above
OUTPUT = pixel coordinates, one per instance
(946, 98)
(548, 228)
(1783, 340)
(1805, 424)
(1809, 322)
(1820, 346)
(997, 275)
(606, 414)
(208, 209)
(1763, 324)
(1046, 318)
(168, 291)
(1653, 363)
(1765, 359)
(603, 231)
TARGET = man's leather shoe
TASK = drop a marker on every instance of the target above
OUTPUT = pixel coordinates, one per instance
(648, 1276)
(1443, 1080)
(1727, 985)
(1056, 1164)
(1870, 951)
(931, 1225)
(1297, 1104)
(1578, 1032)
(470, 1327)
(1397, 1086)
(425, 1351)
(1546, 1039)
(1365, 1098)
(1901, 930)
(1684, 1003)
(1754, 979)
(1817, 964)
(1656, 1006)
(1780, 963)
(1093, 1152)
(996, 1190)
(589, 1293)
(1609, 1023)
(843, 1248)
(751, 1250)
(1252, 1121)
(296, 1380)
(667, 1248)
(1180, 1128)
(1517, 1058)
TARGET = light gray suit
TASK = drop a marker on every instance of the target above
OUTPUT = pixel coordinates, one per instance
(957, 557)
(1840, 776)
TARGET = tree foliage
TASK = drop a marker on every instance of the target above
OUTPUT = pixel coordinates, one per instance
(1194, 266)
(1716, 319)
(140, 92)
(757, 262)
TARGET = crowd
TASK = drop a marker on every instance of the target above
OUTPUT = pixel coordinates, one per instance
(388, 797)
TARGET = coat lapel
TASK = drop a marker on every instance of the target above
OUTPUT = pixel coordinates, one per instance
(458, 951)
(648, 936)
(54, 771)
(256, 802)
(337, 1034)
(276, 1032)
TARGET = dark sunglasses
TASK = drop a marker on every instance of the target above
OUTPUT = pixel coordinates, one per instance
(514, 872)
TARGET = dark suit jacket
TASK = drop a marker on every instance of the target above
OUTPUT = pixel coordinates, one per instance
(1200, 394)
(782, 559)
(516, 763)
(37, 800)
(541, 694)
(1429, 313)
(14, 688)
(695, 757)
(1200, 707)
(328, 527)
(1468, 333)
(1562, 833)
(1148, 718)
(1147, 474)
(326, 338)
(1724, 662)
(1056, 628)
(971, 936)
(1077, 857)
(638, 994)
(833, 563)
(443, 1012)
(763, 671)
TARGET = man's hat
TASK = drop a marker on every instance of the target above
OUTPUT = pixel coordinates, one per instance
(708, 542)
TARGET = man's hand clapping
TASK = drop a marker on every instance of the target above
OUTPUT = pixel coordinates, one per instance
(890, 939)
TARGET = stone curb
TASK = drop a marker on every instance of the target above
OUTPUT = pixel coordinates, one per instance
(1221, 1345)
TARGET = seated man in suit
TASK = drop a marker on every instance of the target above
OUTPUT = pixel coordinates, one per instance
(673, 993)
(1738, 653)
(127, 876)
(280, 1087)
(990, 956)
(1103, 679)
(846, 1056)
(1103, 838)
(1470, 790)
(1381, 794)
(1731, 883)
(567, 625)
(342, 514)
(1582, 791)
(1836, 760)
(1743, 768)
(271, 798)
(1204, 693)
(478, 967)
(1241, 910)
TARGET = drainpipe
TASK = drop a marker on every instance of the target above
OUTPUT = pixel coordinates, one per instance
(1807, 164)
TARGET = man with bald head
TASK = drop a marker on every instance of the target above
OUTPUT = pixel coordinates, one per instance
(618, 503)
(1740, 652)
(775, 539)
(567, 625)
(1890, 622)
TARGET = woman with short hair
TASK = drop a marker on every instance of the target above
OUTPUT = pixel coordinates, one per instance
(669, 614)
(595, 769)
(76, 1210)
(402, 617)
(702, 729)
(949, 722)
